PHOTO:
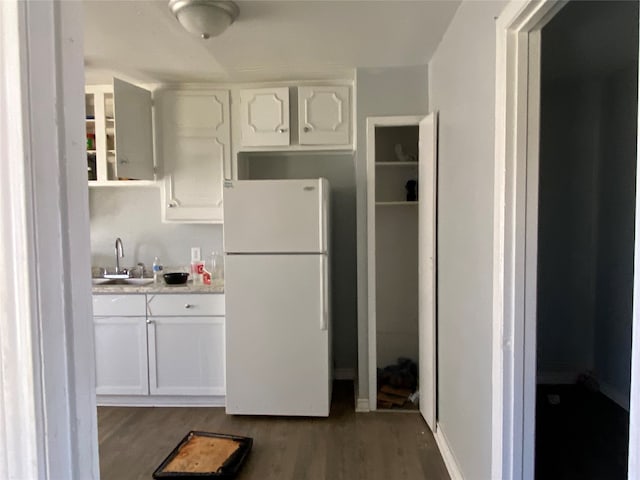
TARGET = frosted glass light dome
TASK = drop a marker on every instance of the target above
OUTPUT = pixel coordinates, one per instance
(205, 18)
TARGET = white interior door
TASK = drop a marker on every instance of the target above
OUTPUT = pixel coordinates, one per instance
(426, 270)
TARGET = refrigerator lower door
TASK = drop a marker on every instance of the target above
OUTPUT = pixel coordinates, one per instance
(277, 335)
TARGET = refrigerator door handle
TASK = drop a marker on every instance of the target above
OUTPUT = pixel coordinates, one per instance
(324, 299)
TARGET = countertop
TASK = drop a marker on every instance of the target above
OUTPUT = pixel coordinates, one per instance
(217, 286)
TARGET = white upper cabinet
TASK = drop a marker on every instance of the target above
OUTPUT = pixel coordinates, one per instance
(323, 115)
(320, 117)
(119, 133)
(264, 117)
(133, 131)
(195, 142)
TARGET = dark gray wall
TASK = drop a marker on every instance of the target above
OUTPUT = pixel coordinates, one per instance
(587, 193)
(567, 223)
(616, 216)
(339, 169)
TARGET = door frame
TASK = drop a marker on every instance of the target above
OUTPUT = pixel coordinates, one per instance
(515, 246)
(48, 425)
(372, 123)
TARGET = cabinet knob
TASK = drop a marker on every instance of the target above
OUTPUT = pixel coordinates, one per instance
(149, 322)
(171, 205)
(307, 129)
(187, 305)
(282, 130)
(123, 161)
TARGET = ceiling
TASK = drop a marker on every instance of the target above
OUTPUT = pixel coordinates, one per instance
(271, 40)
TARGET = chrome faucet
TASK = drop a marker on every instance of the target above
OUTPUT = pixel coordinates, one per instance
(119, 254)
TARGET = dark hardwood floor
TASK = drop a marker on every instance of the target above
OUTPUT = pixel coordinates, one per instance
(345, 446)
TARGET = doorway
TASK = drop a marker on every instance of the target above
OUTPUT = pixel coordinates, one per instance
(519, 60)
(401, 218)
(585, 240)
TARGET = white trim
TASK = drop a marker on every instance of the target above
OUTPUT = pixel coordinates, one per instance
(19, 429)
(634, 406)
(344, 374)
(427, 227)
(362, 405)
(517, 20)
(160, 401)
(48, 399)
(447, 454)
(372, 123)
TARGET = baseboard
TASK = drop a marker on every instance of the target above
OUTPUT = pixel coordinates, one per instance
(447, 454)
(615, 395)
(362, 405)
(159, 401)
(344, 373)
(557, 378)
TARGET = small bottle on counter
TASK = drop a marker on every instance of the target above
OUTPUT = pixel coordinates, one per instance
(217, 266)
(157, 270)
(197, 266)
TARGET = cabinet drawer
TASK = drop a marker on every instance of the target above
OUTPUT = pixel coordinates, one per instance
(181, 305)
(119, 306)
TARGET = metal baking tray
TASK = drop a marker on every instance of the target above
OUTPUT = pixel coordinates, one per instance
(228, 470)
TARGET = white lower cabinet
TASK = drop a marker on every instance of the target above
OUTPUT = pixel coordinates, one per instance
(159, 346)
(186, 356)
(121, 355)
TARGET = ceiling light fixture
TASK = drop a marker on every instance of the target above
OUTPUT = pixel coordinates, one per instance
(206, 18)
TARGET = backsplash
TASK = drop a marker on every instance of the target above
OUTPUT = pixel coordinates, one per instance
(133, 214)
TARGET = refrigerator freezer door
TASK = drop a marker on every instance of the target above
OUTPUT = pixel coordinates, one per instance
(277, 341)
(275, 216)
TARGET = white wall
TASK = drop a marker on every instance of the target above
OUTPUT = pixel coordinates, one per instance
(462, 89)
(379, 91)
(133, 214)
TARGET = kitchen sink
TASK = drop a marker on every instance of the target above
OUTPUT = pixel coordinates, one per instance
(122, 281)
(138, 281)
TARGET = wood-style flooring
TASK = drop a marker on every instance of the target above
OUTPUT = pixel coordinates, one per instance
(345, 446)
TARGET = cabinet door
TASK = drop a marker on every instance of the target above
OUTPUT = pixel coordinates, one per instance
(323, 115)
(133, 132)
(264, 117)
(196, 153)
(121, 355)
(186, 356)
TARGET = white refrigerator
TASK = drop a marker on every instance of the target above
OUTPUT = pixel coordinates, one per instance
(278, 325)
